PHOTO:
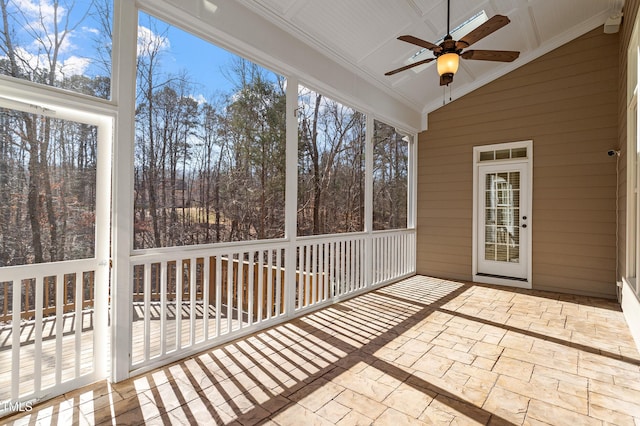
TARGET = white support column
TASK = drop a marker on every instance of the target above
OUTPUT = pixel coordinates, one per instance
(412, 203)
(368, 202)
(412, 174)
(101, 278)
(291, 196)
(124, 81)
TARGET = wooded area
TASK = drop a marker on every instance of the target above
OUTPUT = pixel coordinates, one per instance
(47, 165)
(207, 168)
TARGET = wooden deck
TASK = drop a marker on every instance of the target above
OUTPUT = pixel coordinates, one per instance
(86, 335)
(171, 327)
(47, 354)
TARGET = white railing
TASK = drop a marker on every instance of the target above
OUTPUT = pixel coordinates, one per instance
(188, 298)
(47, 343)
(328, 268)
(394, 255)
(185, 299)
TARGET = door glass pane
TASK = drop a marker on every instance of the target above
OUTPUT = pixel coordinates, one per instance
(502, 154)
(502, 220)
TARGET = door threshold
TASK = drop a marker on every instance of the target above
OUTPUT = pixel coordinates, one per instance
(502, 280)
(504, 277)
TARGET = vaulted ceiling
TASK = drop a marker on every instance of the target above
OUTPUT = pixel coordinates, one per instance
(362, 36)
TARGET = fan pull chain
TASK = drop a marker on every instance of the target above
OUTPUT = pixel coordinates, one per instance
(444, 93)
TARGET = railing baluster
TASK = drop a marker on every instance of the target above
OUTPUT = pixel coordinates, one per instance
(206, 280)
(299, 277)
(405, 254)
(385, 253)
(307, 276)
(15, 338)
(359, 274)
(25, 310)
(179, 289)
(251, 268)
(342, 267)
(146, 289)
(314, 274)
(352, 265)
(270, 284)
(218, 290)
(59, 326)
(230, 266)
(240, 288)
(37, 348)
(261, 295)
(5, 302)
(163, 307)
(79, 320)
(394, 256)
(333, 282)
(278, 306)
(304, 276)
(193, 288)
(374, 262)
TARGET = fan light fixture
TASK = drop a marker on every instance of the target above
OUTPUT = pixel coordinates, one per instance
(448, 63)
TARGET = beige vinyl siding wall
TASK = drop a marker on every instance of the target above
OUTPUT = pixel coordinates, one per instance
(567, 103)
(630, 13)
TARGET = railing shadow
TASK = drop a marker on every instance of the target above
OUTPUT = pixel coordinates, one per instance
(269, 374)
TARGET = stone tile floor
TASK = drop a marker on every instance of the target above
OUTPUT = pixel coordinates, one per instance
(421, 351)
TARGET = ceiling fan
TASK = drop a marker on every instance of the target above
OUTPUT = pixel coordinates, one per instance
(448, 53)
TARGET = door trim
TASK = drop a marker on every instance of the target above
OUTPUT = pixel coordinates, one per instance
(494, 279)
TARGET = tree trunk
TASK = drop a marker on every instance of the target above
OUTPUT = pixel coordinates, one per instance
(46, 181)
(317, 184)
(33, 206)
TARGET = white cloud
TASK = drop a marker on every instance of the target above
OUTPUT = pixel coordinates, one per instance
(200, 99)
(91, 30)
(67, 44)
(149, 41)
(74, 65)
(32, 61)
(39, 10)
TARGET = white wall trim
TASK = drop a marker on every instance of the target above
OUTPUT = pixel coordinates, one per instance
(630, 304)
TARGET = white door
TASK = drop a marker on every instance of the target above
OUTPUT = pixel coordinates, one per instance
(502, 228)
(54, 167)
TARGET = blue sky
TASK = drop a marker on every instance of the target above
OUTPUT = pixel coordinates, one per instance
(202, 60)
(181, 50)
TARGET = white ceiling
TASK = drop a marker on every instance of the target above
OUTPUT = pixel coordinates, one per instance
(362, 36)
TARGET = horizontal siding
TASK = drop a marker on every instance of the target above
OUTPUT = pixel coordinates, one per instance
(568, 104)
